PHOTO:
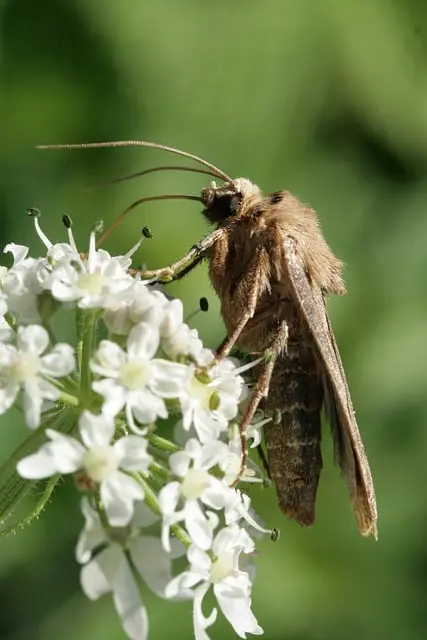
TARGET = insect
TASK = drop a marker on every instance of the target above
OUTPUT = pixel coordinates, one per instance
(272, 268)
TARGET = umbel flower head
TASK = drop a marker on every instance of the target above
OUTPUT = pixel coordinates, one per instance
(98, 406)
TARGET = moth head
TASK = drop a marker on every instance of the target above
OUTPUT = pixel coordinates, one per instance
(225, 202)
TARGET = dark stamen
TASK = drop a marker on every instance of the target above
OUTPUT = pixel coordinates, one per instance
(67, 221)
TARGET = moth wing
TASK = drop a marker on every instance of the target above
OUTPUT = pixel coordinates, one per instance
(349, 450)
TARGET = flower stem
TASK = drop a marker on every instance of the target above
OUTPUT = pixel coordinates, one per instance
(162, 444)
(68, 399)
(152, 502)
(85, 352)
(160, 471)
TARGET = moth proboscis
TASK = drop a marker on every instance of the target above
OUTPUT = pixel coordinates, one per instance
(272, 268)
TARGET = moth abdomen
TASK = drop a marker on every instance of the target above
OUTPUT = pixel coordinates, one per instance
(294, 440)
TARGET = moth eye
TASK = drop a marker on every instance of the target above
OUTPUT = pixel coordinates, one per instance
(276, 197)
(235, 202)
(208, 196)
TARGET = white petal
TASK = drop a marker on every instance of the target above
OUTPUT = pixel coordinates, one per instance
(132, 451)
(143, 341)
(8, 355)
(32, 410)
(143, 516)
(7, 396)
(114, 396)
(60, 361)
(200, 561)
(217, 495)
(228, 405)
(3, 306)
(6, 332)
(168, 378)
(118, 320)
(199, 619)
(108, 359)
(180, 586)
(179, 462)
(32, 405)
(146, 407)
(118, 493)
(92, 535)
(168, 497)
(235, 604)
(96, 430)
(46, 389)
(212, 453)
(152, 562)
(93, 581)
(97, 577)
(173, 317)
(66, 451)
(33, 339)
(209, 425)
(18, 251)
(38, 465)
(200, 527)
(62, 291)
(128, 603)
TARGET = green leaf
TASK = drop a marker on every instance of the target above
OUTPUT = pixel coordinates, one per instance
(14, 489)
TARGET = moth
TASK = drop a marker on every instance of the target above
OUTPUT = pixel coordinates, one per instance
(272, 269)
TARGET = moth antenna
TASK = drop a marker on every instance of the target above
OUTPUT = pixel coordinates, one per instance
(139, 143)
(122, 216)
(145, 172)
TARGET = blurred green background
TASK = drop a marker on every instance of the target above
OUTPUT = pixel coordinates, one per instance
(327, 99)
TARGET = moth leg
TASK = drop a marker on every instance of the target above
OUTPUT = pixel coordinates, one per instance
(259, 392)
(229, 342)
(184, 265)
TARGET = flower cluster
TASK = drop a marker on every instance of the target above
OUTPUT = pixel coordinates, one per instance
(147, 498)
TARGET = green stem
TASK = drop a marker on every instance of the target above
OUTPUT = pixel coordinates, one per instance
(86, 355)
(68, 399)
(162, 444)
(160, 470)
(152, 502)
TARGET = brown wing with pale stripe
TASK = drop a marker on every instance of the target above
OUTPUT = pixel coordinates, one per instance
(349, 450)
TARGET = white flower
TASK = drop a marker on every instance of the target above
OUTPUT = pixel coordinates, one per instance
(119, 318)
(103, 463)
(148, 305)
(92, 282)
(24, 366)
(111, 569)
(195, 490)
(139, 303)
(177, 337)
(135, 379)
(231, 586)
(211, 399)
(3, 297)
(231, 462)
(6, 332)
(23, 282)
